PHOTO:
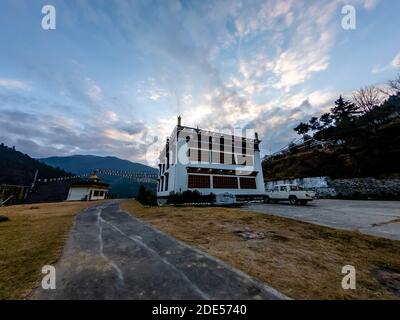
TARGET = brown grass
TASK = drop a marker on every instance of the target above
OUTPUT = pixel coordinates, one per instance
(34, 236)
(302, 260)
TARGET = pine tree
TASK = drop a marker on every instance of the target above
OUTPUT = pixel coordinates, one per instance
(344, 110)
(302, 128)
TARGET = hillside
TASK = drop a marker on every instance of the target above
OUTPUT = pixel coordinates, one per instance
(85, 164)
(339, 163)
(348, 146)
(19, 169)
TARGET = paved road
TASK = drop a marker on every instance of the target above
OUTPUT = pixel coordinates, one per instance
(379, 218)
(112, 255)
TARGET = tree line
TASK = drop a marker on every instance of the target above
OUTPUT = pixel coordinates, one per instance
(358, 137)
(365, 112)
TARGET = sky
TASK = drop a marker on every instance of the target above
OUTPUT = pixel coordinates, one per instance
(112, 77)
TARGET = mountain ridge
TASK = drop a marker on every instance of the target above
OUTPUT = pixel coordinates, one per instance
(79, 164)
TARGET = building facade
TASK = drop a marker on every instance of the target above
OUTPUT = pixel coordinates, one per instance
(210, 162)
(88, 190)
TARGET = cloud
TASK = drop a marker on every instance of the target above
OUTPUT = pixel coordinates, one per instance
(370, 4)
(275, 124)
(94, 92)
(264, 70)
(395, 63)
(151, 90)
(13, 84)
(42, 135)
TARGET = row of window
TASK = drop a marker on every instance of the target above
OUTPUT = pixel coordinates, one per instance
(220, 182)
(98, 193)
(221, 143)
(203, 156)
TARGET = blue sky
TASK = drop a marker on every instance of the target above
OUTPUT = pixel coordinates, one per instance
(115, 73)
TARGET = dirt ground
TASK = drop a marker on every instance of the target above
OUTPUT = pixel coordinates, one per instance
(33, 237)
(304, 261)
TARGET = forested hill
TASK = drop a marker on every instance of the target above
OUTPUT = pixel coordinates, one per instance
(358, 138)
(19, 169)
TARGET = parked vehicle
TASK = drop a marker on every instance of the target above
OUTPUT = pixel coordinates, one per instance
(289, 192)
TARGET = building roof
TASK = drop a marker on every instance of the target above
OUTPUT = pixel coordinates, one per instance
(89, 184)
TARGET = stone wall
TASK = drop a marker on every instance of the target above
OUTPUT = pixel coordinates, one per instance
(363, 188)
(360, 188)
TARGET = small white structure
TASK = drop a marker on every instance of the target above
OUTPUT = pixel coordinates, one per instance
(211, 162)
(89, 190)
(225, 199)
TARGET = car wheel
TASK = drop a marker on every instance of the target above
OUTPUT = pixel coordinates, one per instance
(293, 200)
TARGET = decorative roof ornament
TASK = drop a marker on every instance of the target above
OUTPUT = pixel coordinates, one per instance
(94, 177)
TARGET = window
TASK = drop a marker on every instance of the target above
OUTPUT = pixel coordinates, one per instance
(283, 188)
(198, 181)
(96, 193)
(101, 194)
(225, 182)
(248, 183)
(166, 181)
(222, 158)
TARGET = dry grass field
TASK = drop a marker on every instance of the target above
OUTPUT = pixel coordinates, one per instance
(34, 236)
(301, 260)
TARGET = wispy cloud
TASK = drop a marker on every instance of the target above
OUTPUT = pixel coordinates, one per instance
(395, 63)
(94, 91)
(14, 84)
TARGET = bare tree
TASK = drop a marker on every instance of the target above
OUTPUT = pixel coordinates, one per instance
(395, 84)
(367, 98)
(392, 87)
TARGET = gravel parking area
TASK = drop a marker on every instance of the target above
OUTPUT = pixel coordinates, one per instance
(379, 218)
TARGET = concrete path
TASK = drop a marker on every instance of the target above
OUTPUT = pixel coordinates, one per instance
(379, 218)
(112, 255)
